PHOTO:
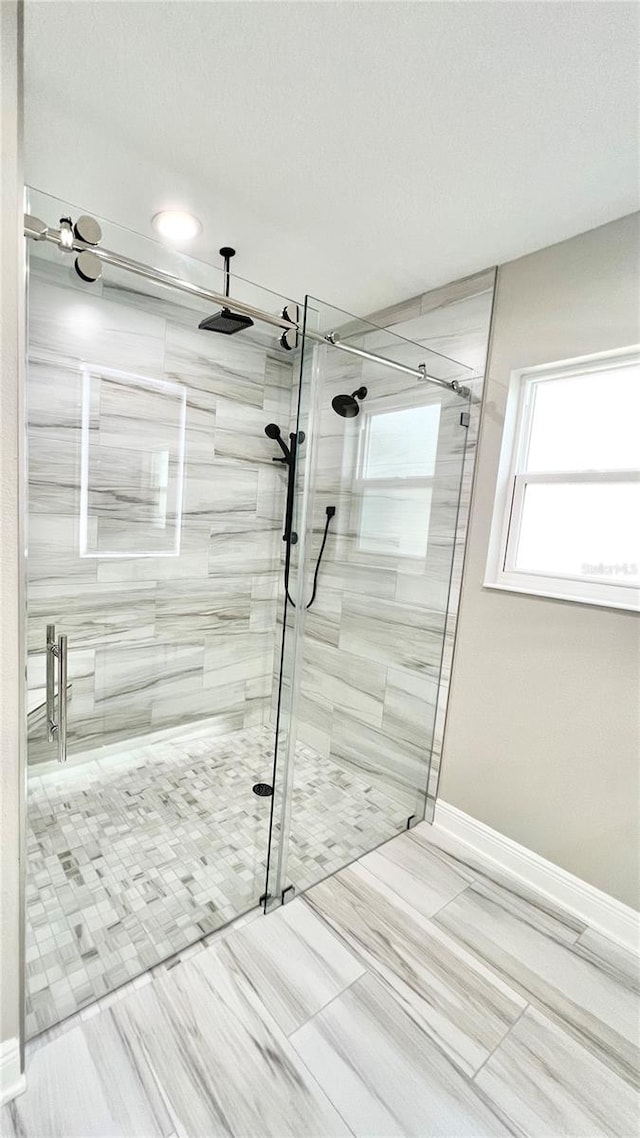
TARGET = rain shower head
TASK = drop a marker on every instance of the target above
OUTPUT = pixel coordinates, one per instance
(347, 405)
(226, 321)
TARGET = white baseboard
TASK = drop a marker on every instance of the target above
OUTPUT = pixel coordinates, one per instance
(12, 1080)
(595, 908)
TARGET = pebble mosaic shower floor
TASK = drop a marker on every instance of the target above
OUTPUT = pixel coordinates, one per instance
(134, 856)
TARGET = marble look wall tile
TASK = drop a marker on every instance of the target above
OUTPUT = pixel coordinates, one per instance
(133, 677)
(356, 578)
(278, 373)
(398, 766)
(54, 551)
(429, 589)
(340, 679)
(91, 617)
(322, 624)
(91, 328)
(253, 549)
(386, 1076)
(271, 493)
(219, 495)
(215, 365)
(191, 564)
(230, 658)
(54, 474)
(224, 704)
(280, 401)
(409, 706)
(133, 412)
(442, 988)
(267, 599)
(314, 723)
(547, 1083)
(240, 437)
(392, 634)
(203, 607)
(60, 419)
(232, 502)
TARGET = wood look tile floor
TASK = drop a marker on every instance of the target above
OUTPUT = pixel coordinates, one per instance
(416, 992)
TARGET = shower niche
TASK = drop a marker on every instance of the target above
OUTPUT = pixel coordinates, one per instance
(155, 519)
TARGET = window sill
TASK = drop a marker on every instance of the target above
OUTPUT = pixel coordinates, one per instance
(549, 595)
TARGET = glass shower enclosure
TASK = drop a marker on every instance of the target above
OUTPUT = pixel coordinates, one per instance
(201, 741)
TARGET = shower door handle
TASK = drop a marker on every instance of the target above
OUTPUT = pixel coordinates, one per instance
(62, 699)
(57, 707)
(51, 682)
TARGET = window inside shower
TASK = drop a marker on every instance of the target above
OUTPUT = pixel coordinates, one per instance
(394, 480)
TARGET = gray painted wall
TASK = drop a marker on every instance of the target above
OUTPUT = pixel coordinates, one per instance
(541, 741)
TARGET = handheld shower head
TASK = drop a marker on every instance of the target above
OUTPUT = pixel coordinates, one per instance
(272, 431)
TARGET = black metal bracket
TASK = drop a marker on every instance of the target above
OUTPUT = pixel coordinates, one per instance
(283, 896)
(410, 819)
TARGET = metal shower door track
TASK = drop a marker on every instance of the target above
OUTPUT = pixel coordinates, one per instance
(37, 230)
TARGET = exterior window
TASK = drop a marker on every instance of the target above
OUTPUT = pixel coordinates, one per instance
(567, 518)
(394, 483)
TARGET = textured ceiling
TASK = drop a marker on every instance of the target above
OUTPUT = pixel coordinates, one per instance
(362, 152)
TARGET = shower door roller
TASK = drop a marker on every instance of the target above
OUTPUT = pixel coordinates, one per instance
(290, 337)
(57, 704)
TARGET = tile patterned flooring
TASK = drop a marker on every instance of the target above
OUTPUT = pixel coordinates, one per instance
(136, 855)
(417, 992)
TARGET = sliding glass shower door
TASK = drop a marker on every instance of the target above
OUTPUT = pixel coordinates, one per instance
(218, 718)
(385, 449)
(154, 617)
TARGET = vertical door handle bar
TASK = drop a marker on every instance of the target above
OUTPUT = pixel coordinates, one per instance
(57, 707)
(51, 682)
(62, 699)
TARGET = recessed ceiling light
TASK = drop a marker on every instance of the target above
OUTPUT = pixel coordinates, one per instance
(176, 225)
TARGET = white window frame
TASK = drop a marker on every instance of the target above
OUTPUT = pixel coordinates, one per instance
(501, 572)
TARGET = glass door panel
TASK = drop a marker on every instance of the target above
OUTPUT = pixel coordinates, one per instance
(155, 515)
(363, 667)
